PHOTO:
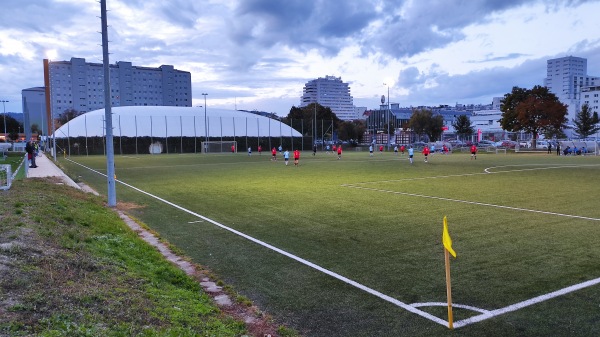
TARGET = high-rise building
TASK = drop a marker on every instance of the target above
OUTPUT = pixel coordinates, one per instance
(566, 77)
(79, 85)
(330, 92)
(591, 97)
(34, 103)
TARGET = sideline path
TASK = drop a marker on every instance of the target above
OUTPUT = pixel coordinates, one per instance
(46, 168)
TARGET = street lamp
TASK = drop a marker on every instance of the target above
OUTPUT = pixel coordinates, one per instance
(4, 107)
(388, 116)
(205, 125)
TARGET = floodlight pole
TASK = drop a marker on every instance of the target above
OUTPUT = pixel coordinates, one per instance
(110, 155)
(205, 125)
(4, 114)
(387, 113)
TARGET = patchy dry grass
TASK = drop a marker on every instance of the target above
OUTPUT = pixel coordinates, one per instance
(70, 267)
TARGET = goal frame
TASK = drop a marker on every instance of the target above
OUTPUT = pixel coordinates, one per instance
(219, 146)
(5, 177)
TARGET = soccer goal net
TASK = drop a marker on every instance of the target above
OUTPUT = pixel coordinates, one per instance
(5, 177)
(220, 147)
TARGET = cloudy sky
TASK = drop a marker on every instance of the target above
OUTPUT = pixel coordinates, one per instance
(258, 54)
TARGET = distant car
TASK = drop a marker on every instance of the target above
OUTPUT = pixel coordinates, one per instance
(486, 143)
(541, 144)
(509, 144)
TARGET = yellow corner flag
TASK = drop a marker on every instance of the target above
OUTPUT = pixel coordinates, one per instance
(446, 240)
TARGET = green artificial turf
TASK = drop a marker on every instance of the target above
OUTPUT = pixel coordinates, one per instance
(378, 221)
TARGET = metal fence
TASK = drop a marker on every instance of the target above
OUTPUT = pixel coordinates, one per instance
(185, 134)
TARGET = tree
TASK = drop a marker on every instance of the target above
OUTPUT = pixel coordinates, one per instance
(586, 122)
(533, 111)
(35, 128)
(463, 127)
(12, 126)
(423, 122)
(351, 130)
(66, 116)
(307, 117)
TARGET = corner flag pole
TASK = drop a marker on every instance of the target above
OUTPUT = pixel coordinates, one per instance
(448, 289)
(447, 241)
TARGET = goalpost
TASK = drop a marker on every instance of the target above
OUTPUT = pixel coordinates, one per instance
(5, 177)
(219, 147)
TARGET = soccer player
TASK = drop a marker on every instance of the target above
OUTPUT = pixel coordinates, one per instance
(396, 150)
(314, 150)
(286, 157)
(339, 152)
(249, 151)
(473, 151)
(232, 148)
(381, 149)
(370, 150)
(274, 154)
(259, 150)
(410, 154)
(426, 152)
(297, 156)
(402, 148)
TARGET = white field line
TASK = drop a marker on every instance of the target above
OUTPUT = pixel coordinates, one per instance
(486, 171)
(294, 257)
(526, 303)
(486, 314)
(471, 202)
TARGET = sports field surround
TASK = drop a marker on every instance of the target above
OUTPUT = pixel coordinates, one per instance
(352, 246)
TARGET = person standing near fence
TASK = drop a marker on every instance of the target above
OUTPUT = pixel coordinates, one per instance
(557, 148)
(29, 148)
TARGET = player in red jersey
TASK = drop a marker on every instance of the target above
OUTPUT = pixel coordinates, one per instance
(426, 152)
(473, 151)
(274, 154)
(296, 157)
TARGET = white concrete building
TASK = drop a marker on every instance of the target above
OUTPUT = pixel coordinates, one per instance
(330, 92)
(79, 85)
(591, 97)
(566, 77)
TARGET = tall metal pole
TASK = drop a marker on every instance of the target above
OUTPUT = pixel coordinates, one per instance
(110, 151)
(388, 116)
(205, 125)
(4, 107)
(315, 129)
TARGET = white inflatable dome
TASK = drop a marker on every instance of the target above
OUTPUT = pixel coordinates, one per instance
(169, 121)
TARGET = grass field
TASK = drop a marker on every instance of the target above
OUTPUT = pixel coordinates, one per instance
(523, 226)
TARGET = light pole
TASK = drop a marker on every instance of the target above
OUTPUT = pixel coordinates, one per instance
(388, 116)
(4, 107)
(205, 125)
